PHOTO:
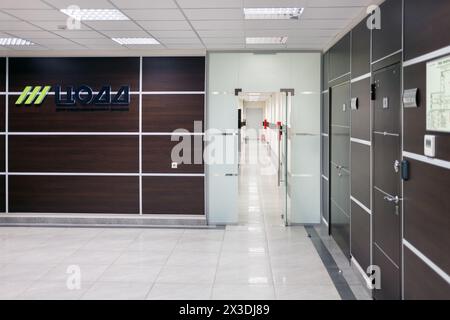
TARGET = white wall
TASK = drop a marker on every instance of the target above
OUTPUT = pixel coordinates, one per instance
(268, 73)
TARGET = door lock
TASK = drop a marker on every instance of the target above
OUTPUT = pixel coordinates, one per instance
(396, 166)
(395, 199)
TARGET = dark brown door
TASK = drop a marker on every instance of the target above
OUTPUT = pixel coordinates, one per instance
(386, 181)
(339, 166)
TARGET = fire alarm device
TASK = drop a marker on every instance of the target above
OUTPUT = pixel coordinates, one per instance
(430, 145)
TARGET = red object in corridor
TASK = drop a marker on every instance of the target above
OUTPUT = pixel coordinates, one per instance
(265, 123)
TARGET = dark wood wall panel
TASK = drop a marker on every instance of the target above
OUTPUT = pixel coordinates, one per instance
(2, 153)
(45, 118)
(94, 72)
(340, 58)
(418, 287)
(166, 113)
(2, 112)
(414, 126)
(360, 161)
(173, 195)
(74, 194)
(360, 118)
(2, 74)
(390, 277)
(360, 235)
(104, 154)
(173, 74)
(427, 209)
(425, 22)
(157, 151)
(360, 49)
(2, 193)
(388, 39)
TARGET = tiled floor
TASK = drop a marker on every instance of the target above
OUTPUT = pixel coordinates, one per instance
(257, 259)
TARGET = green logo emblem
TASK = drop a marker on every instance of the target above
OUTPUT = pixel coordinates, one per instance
(32, 95)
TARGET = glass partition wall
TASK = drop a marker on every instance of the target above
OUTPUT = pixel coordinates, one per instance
(295, 80)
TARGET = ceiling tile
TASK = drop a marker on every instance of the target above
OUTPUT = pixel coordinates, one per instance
(83, 4)
(210, 3)
(145, 46)
(16, 25)
(218, 24)
(331, 13)
(215, 46)
(238, 40)
(154, 14)
(214, 14)
(112, 46)
(53, 41)
(28, 48)
(100, 41)
(6, 17)
(180, 41)
(20, 4)
(144, 4)
(76, 34)
(290, 32)
(272, 24)
(221, 33)
(113, 25)
(30, 35)
(58, 25)
(339, 3)
(276, 3)
(127, 34)
(174, 34)
(37, 15)
(165, 25)
(324, 24)
(185, 46)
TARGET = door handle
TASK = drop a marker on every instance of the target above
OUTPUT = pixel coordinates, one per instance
(393, 199)
(396, 166)
(231, 174)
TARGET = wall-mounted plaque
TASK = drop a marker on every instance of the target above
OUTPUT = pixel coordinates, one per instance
(438, 95)
(410, 97)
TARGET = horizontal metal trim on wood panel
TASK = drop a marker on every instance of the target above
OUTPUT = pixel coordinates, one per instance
(361, 141)
(364, 76)
(427, 261)
(433, 161)
(105, 174)
(388, 56)
(360, 205)
(427, 56)
(105, 133)
(341, 76)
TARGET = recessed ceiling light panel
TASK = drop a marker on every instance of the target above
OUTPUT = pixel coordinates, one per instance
(131, 41)
(266, 40)
(15, 42)
(272, 13)
(95, 14)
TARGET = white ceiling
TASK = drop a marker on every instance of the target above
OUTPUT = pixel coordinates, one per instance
(176, 24)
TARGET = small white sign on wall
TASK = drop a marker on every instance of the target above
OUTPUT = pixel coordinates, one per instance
(438, 95)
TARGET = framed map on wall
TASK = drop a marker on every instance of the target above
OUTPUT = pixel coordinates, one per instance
(438, 95)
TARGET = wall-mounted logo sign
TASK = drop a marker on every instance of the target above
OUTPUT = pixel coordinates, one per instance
(29, 94)
(81, 98)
